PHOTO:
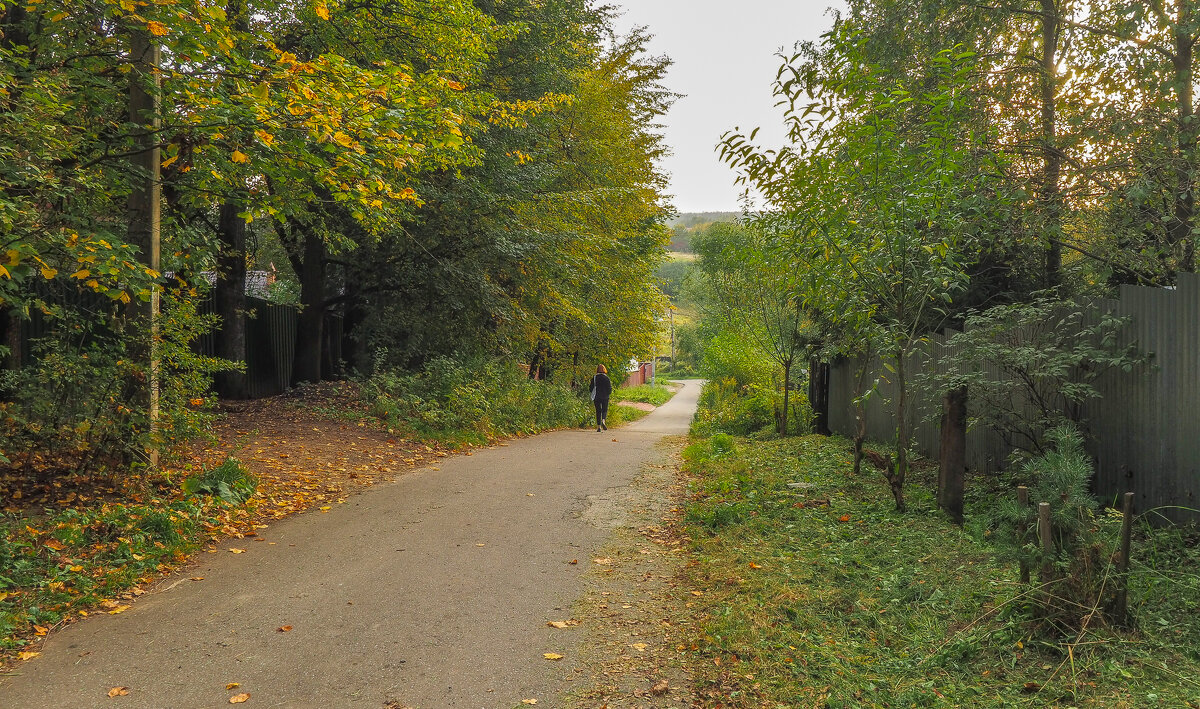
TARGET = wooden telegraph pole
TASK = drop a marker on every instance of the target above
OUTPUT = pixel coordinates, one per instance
(145, 202)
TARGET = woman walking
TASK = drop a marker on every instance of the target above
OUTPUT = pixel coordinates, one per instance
(601, 388)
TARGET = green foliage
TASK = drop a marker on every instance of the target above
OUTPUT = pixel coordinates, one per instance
(729, 356)
(1048, 357)
(656, 394)
(231, 481)
(471, 401)
(1084, 577)
(78, 558)
(743, 410)
(721, 444)
(817, 589)
(544, 250)
(670, 277)
(80, 403)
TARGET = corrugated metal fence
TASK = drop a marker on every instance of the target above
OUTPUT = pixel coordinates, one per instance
(270, 336)
(270, 344)
(1144, 431)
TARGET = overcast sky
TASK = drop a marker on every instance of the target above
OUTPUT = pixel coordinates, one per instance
(725, 62)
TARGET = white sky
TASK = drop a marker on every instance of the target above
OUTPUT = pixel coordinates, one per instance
(725, 63)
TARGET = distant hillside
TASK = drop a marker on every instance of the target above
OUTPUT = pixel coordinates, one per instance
(691, 219)
(688, 223)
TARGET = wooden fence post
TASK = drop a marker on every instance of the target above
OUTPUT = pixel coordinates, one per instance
(1023, 528)
(1047, 539)
(952, 454)
(1122, 606)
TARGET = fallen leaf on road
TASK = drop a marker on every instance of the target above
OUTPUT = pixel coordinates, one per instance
(285, 629)
(529, 701)
(562, 623)
(573, 561)
(27, 655)
(233, 685)
(605, 561)
(239, 698)
(118, 692)
(237, 551)
(118, 609)
(640, 647)
(197, 578)
(660, 687)
(552, 656)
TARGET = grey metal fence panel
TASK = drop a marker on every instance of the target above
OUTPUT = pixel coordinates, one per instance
(1144, 433)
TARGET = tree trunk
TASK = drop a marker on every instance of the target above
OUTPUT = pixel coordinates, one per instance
(818, 395)
(860, 409)
(230, 295)
(897, 473)
(10, 320)
(310, 329)
(787, 381)
(1180, 229)
(1051, 192)
(895, 480)
(354, 352)
(952, 454)
(860, 437)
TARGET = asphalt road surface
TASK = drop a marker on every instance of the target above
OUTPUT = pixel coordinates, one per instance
(431, 592)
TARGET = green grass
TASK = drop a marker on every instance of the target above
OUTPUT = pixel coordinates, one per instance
(850, 604)
(55, 566)
(656, 394)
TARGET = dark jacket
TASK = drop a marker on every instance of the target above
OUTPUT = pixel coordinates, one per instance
(602, 385)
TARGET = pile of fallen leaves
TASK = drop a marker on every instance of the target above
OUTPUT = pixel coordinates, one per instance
(308, 449)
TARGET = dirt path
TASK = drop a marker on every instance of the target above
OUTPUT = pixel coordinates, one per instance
(433, 591)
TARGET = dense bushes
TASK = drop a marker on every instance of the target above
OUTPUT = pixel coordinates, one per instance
(729, 407)
(471, 401)
(79, 404)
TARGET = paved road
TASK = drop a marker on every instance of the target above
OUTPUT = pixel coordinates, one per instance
(432, 592)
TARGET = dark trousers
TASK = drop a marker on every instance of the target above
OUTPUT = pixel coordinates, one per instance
(601, 411)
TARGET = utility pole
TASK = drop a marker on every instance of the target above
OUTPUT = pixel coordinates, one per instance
(671, 312)
(145, 202)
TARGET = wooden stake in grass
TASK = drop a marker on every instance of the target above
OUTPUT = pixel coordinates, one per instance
(1122, 606)
(1047, 539)
(1023, 529)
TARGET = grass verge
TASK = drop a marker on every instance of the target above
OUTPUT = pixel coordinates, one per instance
(67, 563)
(816, 593)
(655, 394)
